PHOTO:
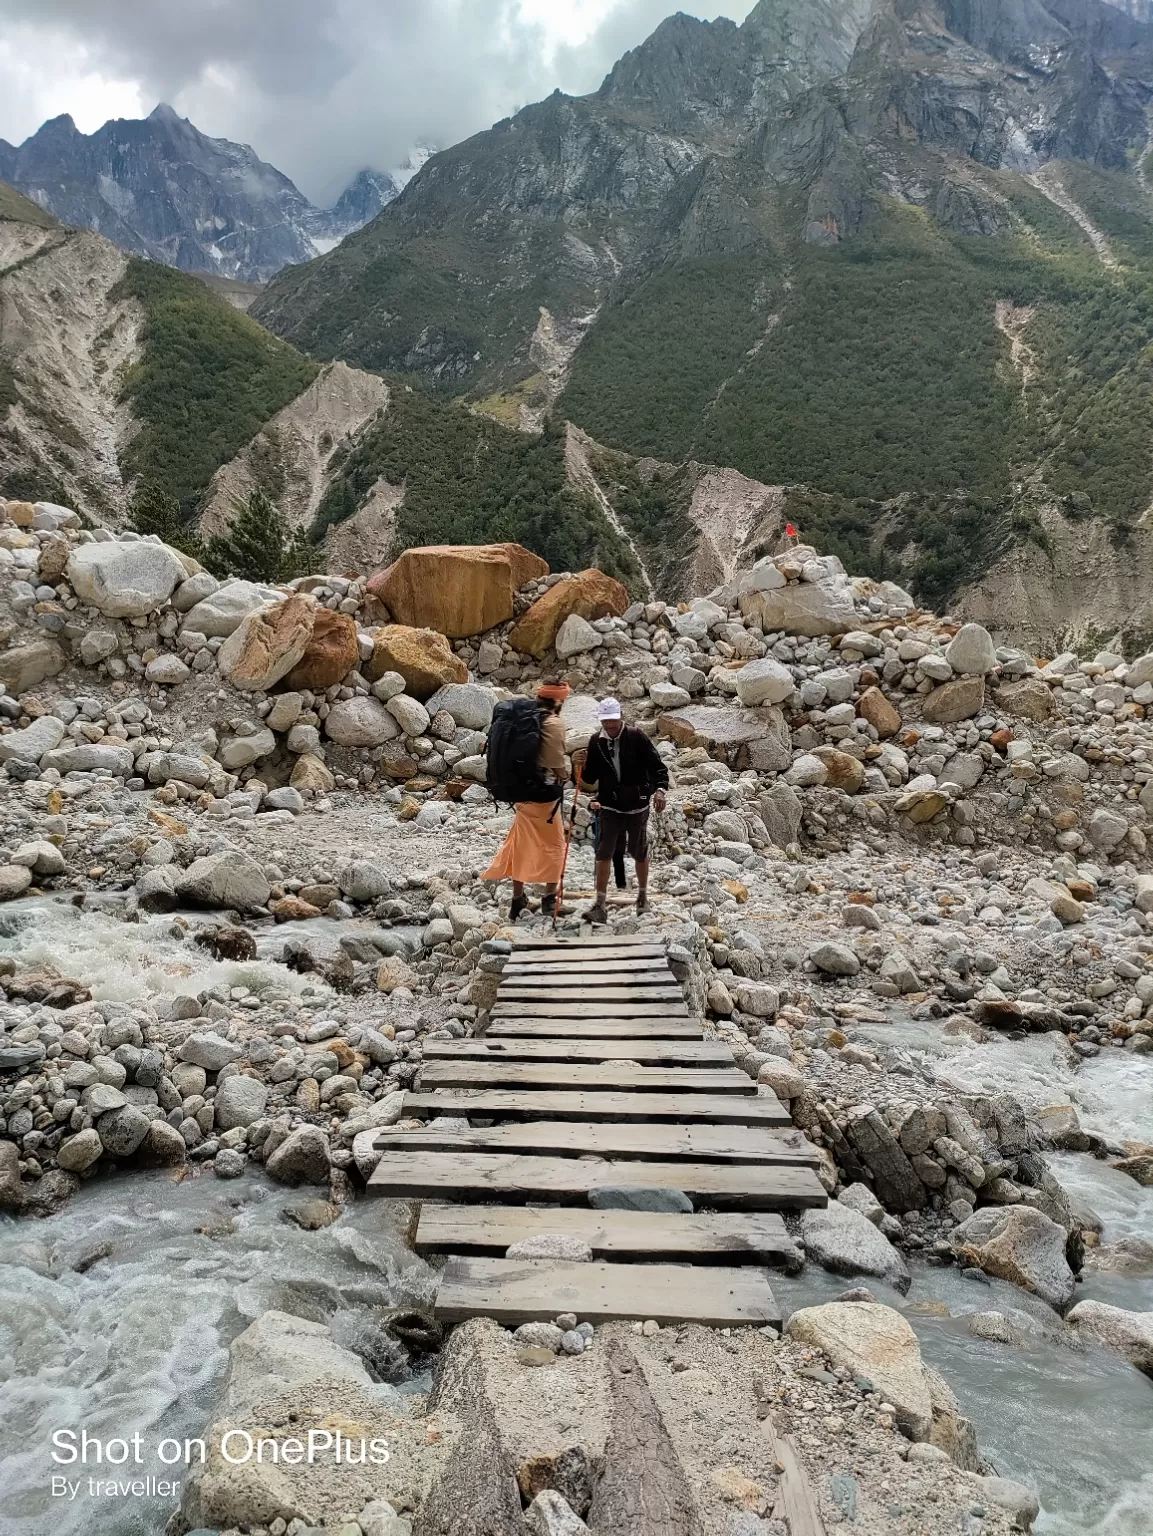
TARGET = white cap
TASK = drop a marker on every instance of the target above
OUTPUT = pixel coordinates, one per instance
(608, 709)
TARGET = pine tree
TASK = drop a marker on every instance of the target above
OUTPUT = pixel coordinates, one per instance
(155, 511)
(258, 546)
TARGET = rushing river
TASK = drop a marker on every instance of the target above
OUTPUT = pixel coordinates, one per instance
(139, 1340)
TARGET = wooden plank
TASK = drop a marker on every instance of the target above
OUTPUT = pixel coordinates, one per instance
(551, 992)
(612, 1075)
(568, 1180)
(561, 1010)
(514, 1291)
(692, 1108)
(576, 977)
(734, 1237)
(653, 1053)
(575, 1138)
(632, 944)
(596, 1029)
(582, 965)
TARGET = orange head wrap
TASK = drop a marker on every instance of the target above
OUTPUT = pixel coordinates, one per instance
(557, 691)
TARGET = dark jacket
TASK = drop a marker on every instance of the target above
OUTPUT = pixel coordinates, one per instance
(642, 770)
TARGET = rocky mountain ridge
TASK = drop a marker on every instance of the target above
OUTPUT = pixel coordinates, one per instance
(158, 187)
(790, 247)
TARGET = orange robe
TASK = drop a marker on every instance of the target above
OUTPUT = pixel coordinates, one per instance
(534, 849)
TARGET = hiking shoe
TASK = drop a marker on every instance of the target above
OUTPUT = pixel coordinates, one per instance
(597, 913)
(642, 901)
(519, 904)
(549, 908)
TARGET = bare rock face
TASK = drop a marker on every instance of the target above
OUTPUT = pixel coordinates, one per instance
(591, 594)
(422, 657)
(331, 653)
(265, 647)
(458, 590)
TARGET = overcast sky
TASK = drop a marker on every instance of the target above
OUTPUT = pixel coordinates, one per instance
(318, 87)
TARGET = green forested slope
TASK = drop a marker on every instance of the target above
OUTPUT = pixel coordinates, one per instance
(469, 480)
(207, 380)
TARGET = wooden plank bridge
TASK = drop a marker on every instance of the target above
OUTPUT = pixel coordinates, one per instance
(592, 1074)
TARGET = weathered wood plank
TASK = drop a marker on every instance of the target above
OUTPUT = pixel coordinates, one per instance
(575, 977)
(575, 1138)
(603, 997)
(593, 1007)
(582, 965)
(596, 1029)
(504, 1176)
(525, 1074)
(691, 1108)
(735, 1237)
(513, 1291)
(632, 944)
(653, 1053)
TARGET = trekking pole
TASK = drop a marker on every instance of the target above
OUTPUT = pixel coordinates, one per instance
(567, 846)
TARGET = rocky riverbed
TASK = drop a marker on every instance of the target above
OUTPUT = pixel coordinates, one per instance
(904, 873)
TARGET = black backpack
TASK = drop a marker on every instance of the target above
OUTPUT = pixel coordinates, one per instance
(513, 746)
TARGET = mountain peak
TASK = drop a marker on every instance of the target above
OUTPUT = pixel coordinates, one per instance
(163, 113)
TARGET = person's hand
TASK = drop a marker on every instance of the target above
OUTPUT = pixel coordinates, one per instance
(595, 807)
(580, 757)
(660, 800)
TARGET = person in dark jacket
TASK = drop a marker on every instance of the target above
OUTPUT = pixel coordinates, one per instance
(629, 774)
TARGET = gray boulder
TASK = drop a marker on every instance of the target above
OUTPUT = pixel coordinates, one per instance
(302, 1158)
(240, 1101)
(124, 580)
(1125, 1333)
(360, 722)
(220, 612)
(844, 1241)
(209, 1051)
(1021, 1245)
(640, 1197)
(122, 1130)
(91, 757)
(228, 879)
(33, 741)
(469, 704)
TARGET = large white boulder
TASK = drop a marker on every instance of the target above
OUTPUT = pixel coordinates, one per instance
(219, 612)
(124, 580)
(764, 682)
(361, 722)
(469, 704)
(972, 651)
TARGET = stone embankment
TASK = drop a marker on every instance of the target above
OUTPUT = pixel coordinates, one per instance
(884, 829)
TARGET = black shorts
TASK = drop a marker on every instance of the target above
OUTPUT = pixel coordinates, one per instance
(625, 832)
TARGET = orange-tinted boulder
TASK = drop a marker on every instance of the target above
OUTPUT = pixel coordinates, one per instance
(591, 594)
(331, 654)
(458, 589)
(422, 657)
(267, 644)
